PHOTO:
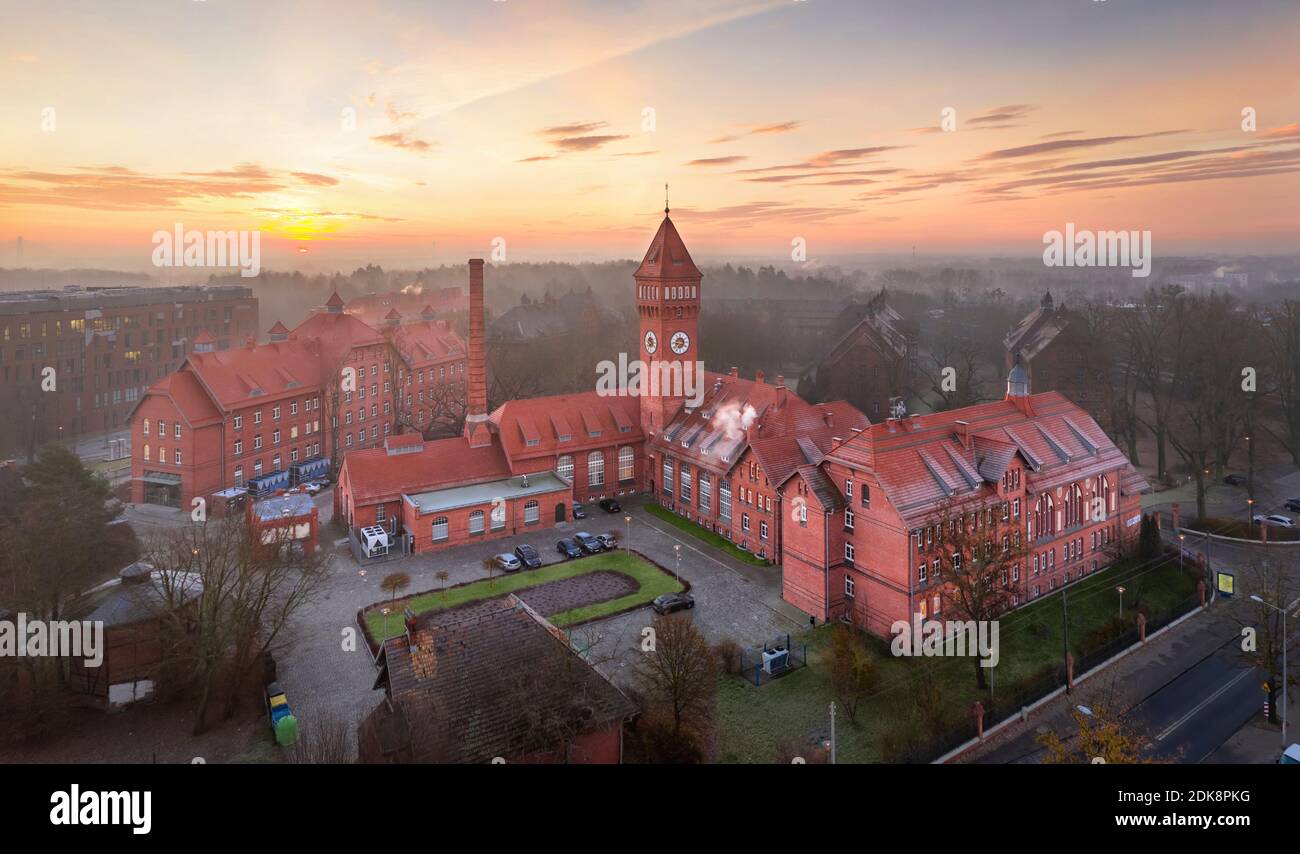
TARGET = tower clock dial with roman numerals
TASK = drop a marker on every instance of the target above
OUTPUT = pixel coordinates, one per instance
(680, 342)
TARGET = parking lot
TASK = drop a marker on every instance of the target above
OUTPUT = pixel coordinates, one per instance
(325, 675)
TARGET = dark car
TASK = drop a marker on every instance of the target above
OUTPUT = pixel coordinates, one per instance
(669, 602)
(589, 544)
(579, 512)
(1293, 504)
(528, 556)
(1235, 480)
(609, 505)
(568, 548)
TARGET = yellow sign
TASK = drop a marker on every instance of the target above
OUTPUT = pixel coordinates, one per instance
(1226, 583)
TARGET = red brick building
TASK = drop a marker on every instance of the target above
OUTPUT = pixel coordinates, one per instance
(265, 415)
(286, 519)
(106, 345)
(869, 365)
(518, 467)
(1031, 473)
(373, 309)
(848, 508)
(1060, 353)
(494, 682)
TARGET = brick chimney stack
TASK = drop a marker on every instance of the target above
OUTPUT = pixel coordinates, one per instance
(476, 428)
(780, 391)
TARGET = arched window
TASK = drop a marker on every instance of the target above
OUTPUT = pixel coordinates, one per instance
(706, 493)
(685, 476)
(626, 463)
(439, 528)
(595, 469)
(668, 476)
(146, 426)
(146, 451)
(724, 500)
(476, 522)
(564, 467)
(532, 512)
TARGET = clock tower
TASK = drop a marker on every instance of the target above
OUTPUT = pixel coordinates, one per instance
(668, 303)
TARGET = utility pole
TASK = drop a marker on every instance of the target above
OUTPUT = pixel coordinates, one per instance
(1065, 634)
(833, 732)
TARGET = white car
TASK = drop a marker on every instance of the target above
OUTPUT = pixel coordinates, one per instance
(1275, 520)
(312, 487)
(507, 562)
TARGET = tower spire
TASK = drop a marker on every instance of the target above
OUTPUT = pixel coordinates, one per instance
(665, 198)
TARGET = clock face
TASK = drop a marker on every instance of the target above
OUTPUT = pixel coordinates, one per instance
(651, 342)
(680, 342)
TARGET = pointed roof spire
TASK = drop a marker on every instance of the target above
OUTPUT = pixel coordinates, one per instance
(393, 317)
(279, 332)
(667, 257)
(665, 198)
(334, 303)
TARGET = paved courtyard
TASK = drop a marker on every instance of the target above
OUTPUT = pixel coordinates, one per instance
(323, 677)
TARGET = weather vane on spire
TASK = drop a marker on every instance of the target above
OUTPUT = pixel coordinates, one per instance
(665, 198)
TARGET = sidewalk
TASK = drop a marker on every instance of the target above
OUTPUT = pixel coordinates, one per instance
(1134, 678)
(1260, 742)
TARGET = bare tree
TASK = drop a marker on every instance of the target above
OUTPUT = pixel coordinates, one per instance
(851, 669)
(681, 672)
(979, 556)
(1262, 626)
(225, 600)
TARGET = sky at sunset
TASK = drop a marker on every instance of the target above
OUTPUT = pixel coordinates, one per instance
(414, 133)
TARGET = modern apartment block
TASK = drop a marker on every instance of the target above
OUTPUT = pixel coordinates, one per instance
(73, 362)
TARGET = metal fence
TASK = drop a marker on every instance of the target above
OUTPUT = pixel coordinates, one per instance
(762, 663)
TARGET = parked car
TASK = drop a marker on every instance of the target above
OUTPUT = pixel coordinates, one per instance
(1276, 520)
(669, 602)
(609, 541)
(609, 505)
(568, 548)
(1293, 504)
(1290, 756)
(1235, 480)
(528, 556)
(507, 562)
(589, 544)
(578, 511)
(313, 487)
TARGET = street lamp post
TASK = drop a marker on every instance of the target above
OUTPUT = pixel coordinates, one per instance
(1250, 507)
(1120, 591)
(628, 520)
(1181, 539)
(677, 573)
(1283, 612)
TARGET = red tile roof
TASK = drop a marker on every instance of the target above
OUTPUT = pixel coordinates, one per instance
(545, 419)
(921, 460)
(667, 257)
(338, 333)
(738, 413)
(427, 341)
(479, 665)
(188, 396)
(384, 474)
(240, 376)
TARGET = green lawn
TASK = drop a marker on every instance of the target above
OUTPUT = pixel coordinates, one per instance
(700, 533)
(753, 721)
(652, 582)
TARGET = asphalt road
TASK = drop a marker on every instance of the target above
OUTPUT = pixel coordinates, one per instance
(1190, 717)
